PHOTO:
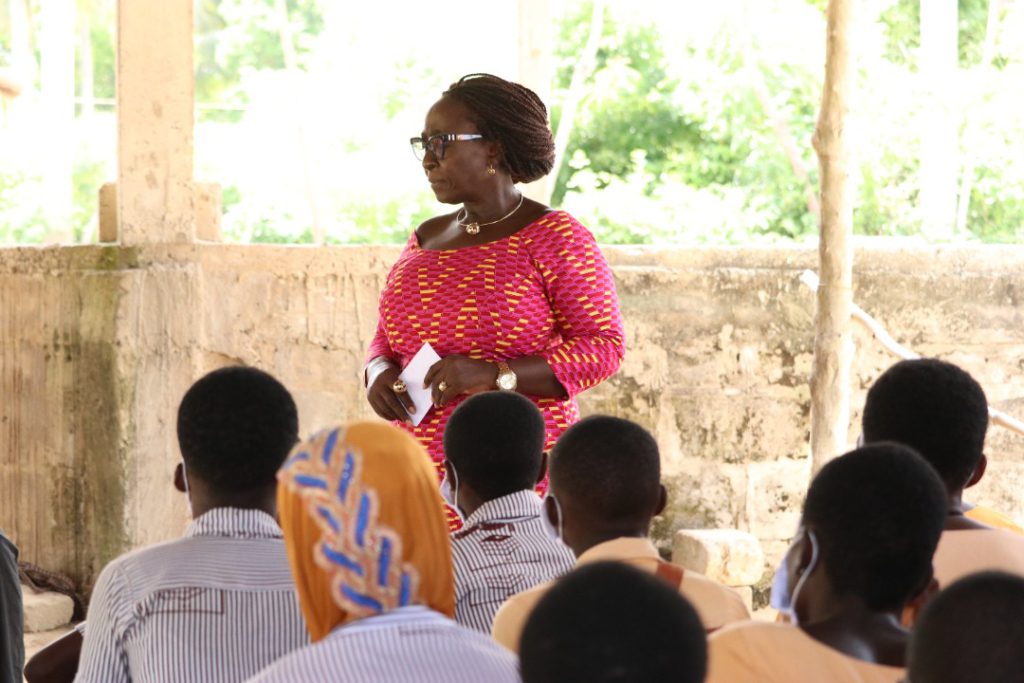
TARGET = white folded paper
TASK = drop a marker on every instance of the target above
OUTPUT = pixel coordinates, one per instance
(413, 375)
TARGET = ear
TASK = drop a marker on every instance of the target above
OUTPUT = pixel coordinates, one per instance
(495, 152)
(912, 610)
(662, 499)
(543, 467)
(552, 512)
(979, 471)
(448, 469)
(179, 477)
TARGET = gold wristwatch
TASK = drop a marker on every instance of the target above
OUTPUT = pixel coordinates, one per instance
(506, 377)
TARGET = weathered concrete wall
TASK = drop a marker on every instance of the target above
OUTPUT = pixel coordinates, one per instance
(97, 344)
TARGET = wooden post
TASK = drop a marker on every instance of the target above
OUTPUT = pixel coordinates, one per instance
(833, 347)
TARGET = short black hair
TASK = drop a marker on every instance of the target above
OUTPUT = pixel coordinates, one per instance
(877, 514)
(971, 631)
(610, 465)
(934, 407)
(513, 115)
(495, 440)
(236, 425)
(608, 621)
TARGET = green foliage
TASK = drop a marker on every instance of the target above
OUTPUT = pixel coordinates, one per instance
(902, 21)
(236, 36)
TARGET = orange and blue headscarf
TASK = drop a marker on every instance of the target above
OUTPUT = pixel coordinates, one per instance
(363, 525)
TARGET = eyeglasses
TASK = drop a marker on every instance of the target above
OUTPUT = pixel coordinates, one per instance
(435, 144)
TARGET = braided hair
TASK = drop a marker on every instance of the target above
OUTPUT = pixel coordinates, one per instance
(513, 115)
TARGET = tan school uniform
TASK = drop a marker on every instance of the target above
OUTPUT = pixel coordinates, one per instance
(762, 652)
(717, 605)
(967, 551)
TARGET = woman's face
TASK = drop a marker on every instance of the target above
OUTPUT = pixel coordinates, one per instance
(461, 175)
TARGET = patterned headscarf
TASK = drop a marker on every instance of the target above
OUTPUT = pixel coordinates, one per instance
(363, 525)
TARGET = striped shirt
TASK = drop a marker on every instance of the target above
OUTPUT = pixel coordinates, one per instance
(406, 644)
(215, 606)
(503, 549)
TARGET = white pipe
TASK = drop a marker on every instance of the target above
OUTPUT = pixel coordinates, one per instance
(810, 278)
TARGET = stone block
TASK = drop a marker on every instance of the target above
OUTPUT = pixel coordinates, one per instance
(108, 212)
(725, 555)
(45, 611)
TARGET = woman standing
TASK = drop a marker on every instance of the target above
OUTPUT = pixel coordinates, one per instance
(512, 295)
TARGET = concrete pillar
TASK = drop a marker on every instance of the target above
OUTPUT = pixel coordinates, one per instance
(940, 143)
(155, 93)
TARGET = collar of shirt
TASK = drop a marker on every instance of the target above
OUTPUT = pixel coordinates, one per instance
(511, 508)
(625, 548)
(404, 616)
(234, 523)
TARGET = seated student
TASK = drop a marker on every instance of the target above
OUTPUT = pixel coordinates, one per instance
(608, 622)
(12, 642)
(971, 631)
(494, 456)
(605, 486)
(368, 544)
(218, 604)
(941, 412)
(870, 524)
(58, 661)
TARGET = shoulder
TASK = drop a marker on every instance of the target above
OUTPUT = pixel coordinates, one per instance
(434, 226)
(513, 613)
(557, 228)
(716, 604)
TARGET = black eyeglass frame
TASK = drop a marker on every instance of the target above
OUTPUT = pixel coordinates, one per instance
(420, 145)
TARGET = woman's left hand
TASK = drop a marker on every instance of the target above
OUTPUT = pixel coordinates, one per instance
(456, 375)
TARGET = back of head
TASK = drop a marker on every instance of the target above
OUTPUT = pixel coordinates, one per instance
(495, 440)
(972, 631)
(364, 526)
(609, 468)
(877, 514)
(513, 115)
(235, 428)
(935, 408)
(608, 621)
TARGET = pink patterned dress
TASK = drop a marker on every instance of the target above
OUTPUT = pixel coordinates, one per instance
(544, 291)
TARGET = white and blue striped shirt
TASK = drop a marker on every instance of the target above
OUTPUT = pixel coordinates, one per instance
(406, 644)
(214, 607)
(503, 549)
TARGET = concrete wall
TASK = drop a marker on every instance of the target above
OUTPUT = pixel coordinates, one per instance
(97, 344)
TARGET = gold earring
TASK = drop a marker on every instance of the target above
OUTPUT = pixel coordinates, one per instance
(490, 170)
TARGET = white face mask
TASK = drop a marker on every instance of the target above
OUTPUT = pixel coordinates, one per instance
(781, 599)
(553, 532)
(449, 493)
(184, 479)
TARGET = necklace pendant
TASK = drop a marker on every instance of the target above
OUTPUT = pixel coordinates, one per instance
(472, 228)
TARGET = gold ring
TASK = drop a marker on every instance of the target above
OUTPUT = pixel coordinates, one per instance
(443, 386)
(398, 386)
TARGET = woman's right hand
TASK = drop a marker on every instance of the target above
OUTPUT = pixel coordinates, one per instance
(385, 402)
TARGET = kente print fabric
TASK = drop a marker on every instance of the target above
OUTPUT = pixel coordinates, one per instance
(362, 556)
(544, 291)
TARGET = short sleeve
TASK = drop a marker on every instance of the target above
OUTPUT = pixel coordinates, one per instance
(581, 290)
(104, 658)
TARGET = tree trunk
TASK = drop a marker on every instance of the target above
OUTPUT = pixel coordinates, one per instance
(833, 347)
(88, 85)
(988, 53)
(292, 67)
(938, 125)
(57, 80)
(580, 74)
(536, 70)
(22, 57)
